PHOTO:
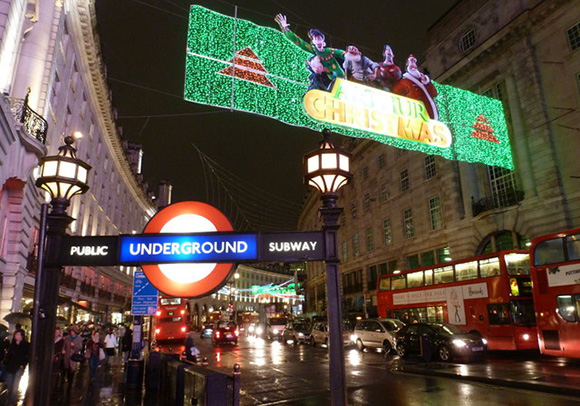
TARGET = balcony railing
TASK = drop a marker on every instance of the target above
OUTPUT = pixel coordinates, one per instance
(33, 123)
(507, 198)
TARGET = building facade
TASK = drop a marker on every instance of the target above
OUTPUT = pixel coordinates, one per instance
(405, 209)
(53, 84)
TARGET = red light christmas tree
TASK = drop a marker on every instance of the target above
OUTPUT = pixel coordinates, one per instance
(483, 131)
(247, 66)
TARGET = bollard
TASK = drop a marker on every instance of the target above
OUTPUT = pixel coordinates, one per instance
(236, 385)
(134, 377)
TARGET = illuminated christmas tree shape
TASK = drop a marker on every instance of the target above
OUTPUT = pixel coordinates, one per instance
(247, 66)
(483, 130)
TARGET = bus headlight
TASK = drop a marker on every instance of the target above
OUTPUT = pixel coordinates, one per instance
(526, 337)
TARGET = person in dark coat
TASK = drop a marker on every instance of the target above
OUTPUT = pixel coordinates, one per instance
(17, 358)
(127, 343)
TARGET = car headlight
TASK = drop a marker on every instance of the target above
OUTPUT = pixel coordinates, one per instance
(459, 343)
(274, 331)
(251, 329)
(484, 341)
(300, 334)
(353, 338)
(259, 330)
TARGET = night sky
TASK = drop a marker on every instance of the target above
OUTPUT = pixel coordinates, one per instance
(258, 160)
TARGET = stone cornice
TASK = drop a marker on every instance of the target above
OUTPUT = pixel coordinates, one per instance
(82, 17)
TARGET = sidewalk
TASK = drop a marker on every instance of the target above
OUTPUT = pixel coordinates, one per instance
(557, 375)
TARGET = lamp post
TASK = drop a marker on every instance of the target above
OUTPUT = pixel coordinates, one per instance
(327, 169)
(62, 176)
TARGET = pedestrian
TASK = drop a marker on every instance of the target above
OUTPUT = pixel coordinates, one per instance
(127, 343)
(110, 345)
(57, 357)
(17, 358)
(191, 351)
(92, 352)
(73, 343)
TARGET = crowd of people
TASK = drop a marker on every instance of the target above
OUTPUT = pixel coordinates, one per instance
(72, 346)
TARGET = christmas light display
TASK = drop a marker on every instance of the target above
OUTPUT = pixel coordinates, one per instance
(236, 64)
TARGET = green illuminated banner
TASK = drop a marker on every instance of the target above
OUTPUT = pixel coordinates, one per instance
(236, 64)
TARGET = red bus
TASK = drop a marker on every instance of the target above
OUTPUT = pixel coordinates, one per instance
(488, 294)
(556, 278)
(171, 319)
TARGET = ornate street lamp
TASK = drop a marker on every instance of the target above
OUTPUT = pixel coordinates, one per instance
(62, 176)
(327, 169)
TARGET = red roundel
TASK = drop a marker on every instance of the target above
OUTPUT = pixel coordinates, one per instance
(188, 279)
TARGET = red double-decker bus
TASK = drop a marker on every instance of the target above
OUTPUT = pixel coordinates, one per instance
(556, 278)
(171, 319)
(488, 294)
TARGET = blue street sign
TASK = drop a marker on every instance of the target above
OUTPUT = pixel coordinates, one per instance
(144, 296)
(170, 248)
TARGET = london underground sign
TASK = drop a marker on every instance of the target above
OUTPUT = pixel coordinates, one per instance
(188, 249)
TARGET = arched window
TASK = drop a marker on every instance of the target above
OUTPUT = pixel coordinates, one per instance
(501, 241)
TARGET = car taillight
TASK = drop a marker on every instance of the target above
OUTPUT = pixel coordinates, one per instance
(217, 334)
(183, 329)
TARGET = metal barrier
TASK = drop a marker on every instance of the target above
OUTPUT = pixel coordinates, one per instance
(187, 383)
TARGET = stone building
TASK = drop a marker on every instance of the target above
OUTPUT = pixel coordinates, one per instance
(53, 84)
(405, 209)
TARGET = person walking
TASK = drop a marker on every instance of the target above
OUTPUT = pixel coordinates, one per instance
(191, 351)
(92, 350)
(73, 343)
(110, 345)
(57, 358)
(17, 358)
(127, 343)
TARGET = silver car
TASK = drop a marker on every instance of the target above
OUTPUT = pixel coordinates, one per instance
(377, 333)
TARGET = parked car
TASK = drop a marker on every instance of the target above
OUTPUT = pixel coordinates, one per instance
(225, 333)
(319, 333)
(445, 341)
(206, 330)
(275, 327)
(376, 333)
(296, 333)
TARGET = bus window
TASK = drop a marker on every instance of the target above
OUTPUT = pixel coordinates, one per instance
(443, 275)
(415, 279)
(489, 267)
(569, 307)
(466, 271)
(549, 252)
(523, 313)
(169, 301)
(428, 277)
(573, 246)
(498, 314)
(384, 284)
(517, 264)
(398, 282)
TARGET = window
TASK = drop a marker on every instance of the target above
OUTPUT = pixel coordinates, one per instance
(435, 212)
(443, 275)
(467, 40)
(367, 202)
(344, 251)
(494, 91)
(365, 173)
(430, 168)
(489, 267)
(381, 160)
(413, 261)
(503, 186)
(569, 307)
(573, 35)
(405, 183)
(372, 281)
(356, 245)
(466, 271)
(499, 314)
(369, 239)
(384, 192)
(353, 210)
(408, 227)
(415, 279)
(387, 232)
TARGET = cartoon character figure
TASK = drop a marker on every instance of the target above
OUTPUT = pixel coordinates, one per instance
(357, 67)
(418, 86)
(328, 57)
(387, 72)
